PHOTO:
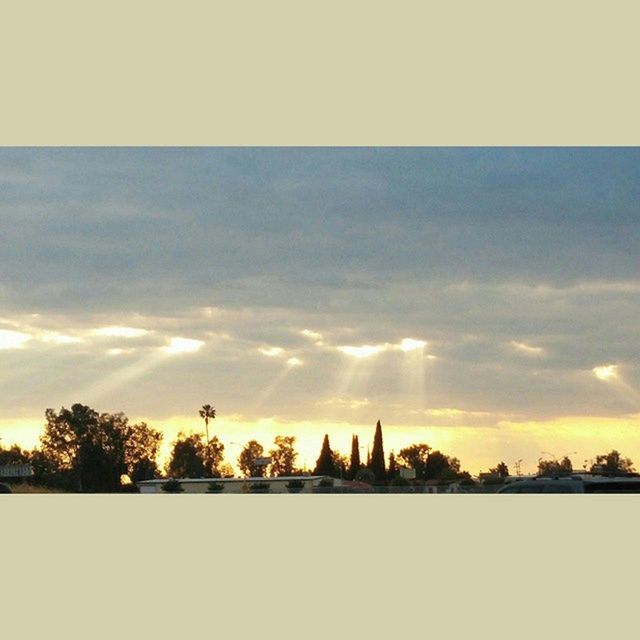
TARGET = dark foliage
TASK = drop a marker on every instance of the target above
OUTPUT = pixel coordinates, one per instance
(377, 456)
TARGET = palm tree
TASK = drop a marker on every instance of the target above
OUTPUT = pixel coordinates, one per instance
(207, 413)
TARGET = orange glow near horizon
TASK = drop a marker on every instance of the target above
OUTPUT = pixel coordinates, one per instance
(477, 448)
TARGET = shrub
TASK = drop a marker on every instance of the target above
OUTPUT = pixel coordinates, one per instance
(215, 487)
(172, 486)
(129, 488)
(325, 483)
(295, 486)
(259, 487)
(365, 475)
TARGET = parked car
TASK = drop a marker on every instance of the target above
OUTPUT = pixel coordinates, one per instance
(5, 488)
(579, 483)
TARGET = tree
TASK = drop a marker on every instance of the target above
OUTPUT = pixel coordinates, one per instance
(612, 463)
(87, 451)
(415, 457)
(283, 457)
(325, 463)
(214, 457)
(340, 464)
(207, 413)
(392, 471)
(14, 455)
(377, 455)
(193, 458)
(501, 470)
(248, 458)
(554, 467)
(441, 467)
(142, 445)
(63, 438)
(354, 462)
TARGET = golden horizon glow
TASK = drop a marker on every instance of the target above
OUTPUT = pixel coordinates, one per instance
(477, 448)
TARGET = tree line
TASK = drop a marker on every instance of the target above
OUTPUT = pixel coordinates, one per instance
(82, 450)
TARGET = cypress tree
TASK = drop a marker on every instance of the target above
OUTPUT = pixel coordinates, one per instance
(354, 465)
(324, 464)
(392, 472)
(377, 455)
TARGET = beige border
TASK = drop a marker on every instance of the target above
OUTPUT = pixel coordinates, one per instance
(294, 72)
(298, 73)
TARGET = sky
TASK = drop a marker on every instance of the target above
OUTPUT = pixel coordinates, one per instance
(483, 300)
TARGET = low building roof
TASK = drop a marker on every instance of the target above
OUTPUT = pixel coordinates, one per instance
(231, 480)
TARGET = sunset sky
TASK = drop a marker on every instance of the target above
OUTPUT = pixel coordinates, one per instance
(485, 301)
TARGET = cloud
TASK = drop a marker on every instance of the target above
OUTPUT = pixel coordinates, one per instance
(526, 349)
(183, 345)
(606, 372)
(13, 339)
(119, 332)
(271, 352)
(343, 258)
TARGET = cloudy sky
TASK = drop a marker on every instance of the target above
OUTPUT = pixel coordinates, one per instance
(483, 300)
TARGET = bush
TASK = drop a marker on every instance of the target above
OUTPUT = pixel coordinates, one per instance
(259, 487)
(365, 475)
(399, 482)
(129, 488)
(172, 486)
(215, 487)
(325, 483)
(295, 486)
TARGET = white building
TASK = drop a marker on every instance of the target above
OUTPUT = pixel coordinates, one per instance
(283, 484)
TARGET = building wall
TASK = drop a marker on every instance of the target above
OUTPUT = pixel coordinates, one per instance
(235, 486)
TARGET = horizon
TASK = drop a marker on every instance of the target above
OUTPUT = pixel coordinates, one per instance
(482, 300)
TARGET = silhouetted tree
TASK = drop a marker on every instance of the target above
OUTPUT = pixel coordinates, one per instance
(340, 464)
(377, 455)
(325, 463)
(87, 451)
(554, 467)
(247, 460)
(441, 467)
(392, 471)
(500, 470)
(207, 413)
(612, 463)
(187, 457)
(283, 457)
(354, 462)
(415, 457)
(192, 458)
(141, 452)
(365, 475)
(14, 455)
